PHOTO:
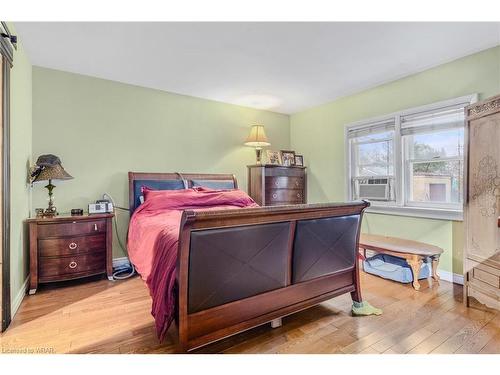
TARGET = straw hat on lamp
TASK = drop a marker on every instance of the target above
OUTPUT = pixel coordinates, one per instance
(48, 167)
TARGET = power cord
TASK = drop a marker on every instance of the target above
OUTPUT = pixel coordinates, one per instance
(119, 273)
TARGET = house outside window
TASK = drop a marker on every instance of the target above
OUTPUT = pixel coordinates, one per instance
(410, 162)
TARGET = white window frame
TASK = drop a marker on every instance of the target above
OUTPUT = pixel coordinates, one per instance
(401, 206)
(366, 143)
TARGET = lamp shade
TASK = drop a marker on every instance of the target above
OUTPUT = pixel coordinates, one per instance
(257, 137)
(49, 167)
(56, 172)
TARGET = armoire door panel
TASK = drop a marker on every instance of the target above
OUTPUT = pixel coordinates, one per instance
(482, 211)
(483, 243)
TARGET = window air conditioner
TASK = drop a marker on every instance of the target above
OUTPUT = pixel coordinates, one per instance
(375, 189)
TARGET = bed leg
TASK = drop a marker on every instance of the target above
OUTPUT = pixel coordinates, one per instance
(183, 337)
(182, 345)
(276, 323)
(356, 296)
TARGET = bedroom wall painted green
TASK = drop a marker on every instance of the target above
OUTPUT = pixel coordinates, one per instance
(318, 133)
(102, 129)
(21, 146)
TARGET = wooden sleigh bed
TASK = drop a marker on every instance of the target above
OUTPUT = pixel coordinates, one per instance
(241, 268)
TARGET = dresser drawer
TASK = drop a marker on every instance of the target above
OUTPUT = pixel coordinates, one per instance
(284, 182)
(284, 171)
(65, 246)
(284, 196)
(75, 228)
(71, 267)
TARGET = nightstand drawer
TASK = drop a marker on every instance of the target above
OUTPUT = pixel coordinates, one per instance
(71, 267)
(284, 183)
(65, 246)
(71, 228)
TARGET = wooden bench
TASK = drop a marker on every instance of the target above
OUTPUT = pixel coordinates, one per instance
(413, 251)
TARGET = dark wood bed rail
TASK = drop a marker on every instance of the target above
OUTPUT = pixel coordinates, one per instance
(200, 327)
(270, 214)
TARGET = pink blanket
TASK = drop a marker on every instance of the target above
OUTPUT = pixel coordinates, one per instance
(153, 239)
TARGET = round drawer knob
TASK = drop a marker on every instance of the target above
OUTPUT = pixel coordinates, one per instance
(296, 183)
(275, 195)
(277, 183)
(73, 246)
(73, 265)
(298, 195)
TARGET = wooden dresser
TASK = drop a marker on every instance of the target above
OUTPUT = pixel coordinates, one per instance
(69, 247)
(271, 185)
(482, 210)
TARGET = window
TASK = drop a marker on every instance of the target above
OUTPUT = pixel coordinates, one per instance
(372, 155)
(411, 162)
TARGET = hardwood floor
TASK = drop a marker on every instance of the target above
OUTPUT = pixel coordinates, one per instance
(114, 317)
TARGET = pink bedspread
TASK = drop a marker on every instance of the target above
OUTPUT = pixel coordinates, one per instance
(153, 239)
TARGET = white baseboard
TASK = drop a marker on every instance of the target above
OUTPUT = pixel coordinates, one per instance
(16, 302)
(120, 262)
(451, 277)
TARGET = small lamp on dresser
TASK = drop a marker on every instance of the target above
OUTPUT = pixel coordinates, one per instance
(257, 139)
(48, 168)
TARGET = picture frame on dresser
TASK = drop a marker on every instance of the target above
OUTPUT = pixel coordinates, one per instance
(287, 158)
(273, 157)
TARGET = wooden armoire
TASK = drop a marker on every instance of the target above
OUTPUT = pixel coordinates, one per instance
(482, 208)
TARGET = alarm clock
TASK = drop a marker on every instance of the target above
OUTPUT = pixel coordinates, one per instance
(77, 212)
(100, 207)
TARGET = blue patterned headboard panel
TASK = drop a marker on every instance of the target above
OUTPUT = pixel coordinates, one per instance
(213, 184)
(155, 185)
(174, 181)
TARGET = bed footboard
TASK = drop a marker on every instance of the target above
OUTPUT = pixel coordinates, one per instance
(241, 268)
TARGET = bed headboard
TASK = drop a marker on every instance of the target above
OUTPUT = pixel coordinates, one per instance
(175, 181)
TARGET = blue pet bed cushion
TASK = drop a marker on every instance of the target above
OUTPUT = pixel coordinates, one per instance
(393, 268)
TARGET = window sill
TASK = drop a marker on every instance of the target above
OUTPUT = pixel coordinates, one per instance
(427, 213)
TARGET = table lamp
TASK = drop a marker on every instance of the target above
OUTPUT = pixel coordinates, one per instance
(257, 139)
(48, 168)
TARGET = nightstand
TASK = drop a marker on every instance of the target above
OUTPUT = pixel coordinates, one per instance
(69, 247)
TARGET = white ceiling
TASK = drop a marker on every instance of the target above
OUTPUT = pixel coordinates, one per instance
(283, 67)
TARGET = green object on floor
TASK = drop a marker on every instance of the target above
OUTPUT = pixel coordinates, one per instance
(364, 308)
